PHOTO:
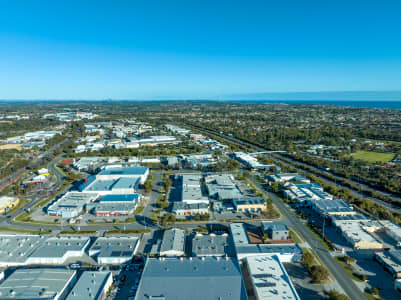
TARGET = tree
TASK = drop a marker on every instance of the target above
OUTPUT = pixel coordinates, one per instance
(319, 273)
(168, 219)
(335, 295)
(307, 259)
(348, 260)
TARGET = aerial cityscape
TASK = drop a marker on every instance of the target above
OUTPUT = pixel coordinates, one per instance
(200, 150)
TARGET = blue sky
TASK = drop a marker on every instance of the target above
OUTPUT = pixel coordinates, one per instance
(196, 49)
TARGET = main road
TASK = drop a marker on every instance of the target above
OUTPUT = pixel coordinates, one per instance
(335, 269)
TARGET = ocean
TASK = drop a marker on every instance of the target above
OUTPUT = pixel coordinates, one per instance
(367, 104)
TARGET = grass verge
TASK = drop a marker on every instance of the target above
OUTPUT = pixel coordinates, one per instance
(348, 269)
(127, 231)
(17, 230)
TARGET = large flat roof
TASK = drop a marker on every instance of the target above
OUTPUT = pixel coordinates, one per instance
(59, 246)
(268, 249)
(120, 198)
(35, 283)
(173, 239)
(332, 206)
(114, 246)
(239, 234)
(212, 245)
(17, 248)
(105, 207)
(124, 171)
(191, 278)
(269, 278)
(89, 286)
(275, 226)
(72, 201)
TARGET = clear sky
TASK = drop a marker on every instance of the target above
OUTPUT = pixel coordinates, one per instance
(175, 49)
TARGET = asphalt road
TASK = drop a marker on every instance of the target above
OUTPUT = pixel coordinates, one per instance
(335, 269)
(10, 179)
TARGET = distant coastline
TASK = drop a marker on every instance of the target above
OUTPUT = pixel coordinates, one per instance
(386, 104)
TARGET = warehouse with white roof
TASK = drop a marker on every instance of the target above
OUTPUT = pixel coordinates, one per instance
(173, 243)
(57, 250)
(49, 284)
(114, 250)
(71, 204)
(91, 286)
(269, 278)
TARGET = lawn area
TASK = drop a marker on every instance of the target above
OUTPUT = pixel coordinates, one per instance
(23, 217)
(45, 201)
(127, 231)
(348, 269)
(372, 157)
(323, 242)
(295, 236)
(22, 203)
(16, 230)
(139, 209)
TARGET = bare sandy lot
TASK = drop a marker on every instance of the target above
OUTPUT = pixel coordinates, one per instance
(10, 146)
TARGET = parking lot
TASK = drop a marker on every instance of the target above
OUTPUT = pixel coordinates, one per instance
(127, 281)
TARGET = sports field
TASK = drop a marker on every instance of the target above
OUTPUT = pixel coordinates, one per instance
(373, 157)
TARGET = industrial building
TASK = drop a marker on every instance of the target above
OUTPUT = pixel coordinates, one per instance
(87, 163)
(244, 248)
(269, 278)
(332, 207)
(173, 243)
(177, 129)
(16, 249)
(275, 230)
(352, 218)
(171, 161)
(249, 204)
(121, 185)
(121, 198)
(49, 284)
(71, 204)
(287, 253)
(356, 233)
(7, 203)
(114, 205)
(302, 194)
(114, 173)
(57, 250)
(286, 177)
(199, 161)
(250, 161)
(191, 189)
(391, 261)
(185, 209)
(114, 250)
(393, 231)
(111, 209)
(151, 141)
(91, 286)
(191, 278)
(222, 187)
(212, 245)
